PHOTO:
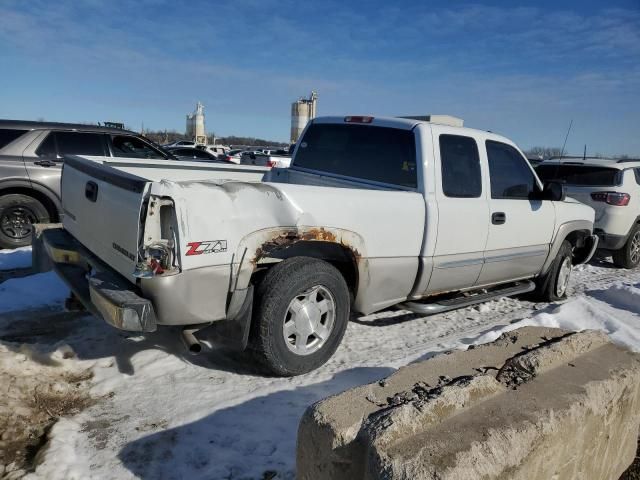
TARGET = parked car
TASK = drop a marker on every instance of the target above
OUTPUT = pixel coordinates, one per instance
(31, 158)
(373, 212)
(216, 150)
(254, 157)
(612, 188)
(232, 156)
(279, 159)
(188, 153)
(181, 143)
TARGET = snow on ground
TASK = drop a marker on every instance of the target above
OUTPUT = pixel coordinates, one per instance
(17, 258)
(161, 413)
(33, 291)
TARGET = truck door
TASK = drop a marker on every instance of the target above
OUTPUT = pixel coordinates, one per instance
(520, 229)
(463, 211)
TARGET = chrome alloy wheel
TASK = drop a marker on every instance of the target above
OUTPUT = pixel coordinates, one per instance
(634, 251)
(564, 274)
(309, 321)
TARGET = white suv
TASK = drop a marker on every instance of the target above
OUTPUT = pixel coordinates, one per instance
(612, 188)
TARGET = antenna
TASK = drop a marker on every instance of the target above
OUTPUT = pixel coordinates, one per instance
(565, 139)
(584, 155)
(555, 175)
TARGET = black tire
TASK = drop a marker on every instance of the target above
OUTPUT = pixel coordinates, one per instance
(283, 283)
(17, 214)
(547, 285)
(629, 255)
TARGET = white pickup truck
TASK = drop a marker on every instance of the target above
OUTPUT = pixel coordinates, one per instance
(373, 212)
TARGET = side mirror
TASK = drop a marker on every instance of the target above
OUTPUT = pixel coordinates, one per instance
(554, 191)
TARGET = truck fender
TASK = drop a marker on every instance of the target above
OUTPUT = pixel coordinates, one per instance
(561, 235)
(283, 242)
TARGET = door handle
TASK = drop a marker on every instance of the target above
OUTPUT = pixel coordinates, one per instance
(91, 191)
(45, 163)
(498, 218)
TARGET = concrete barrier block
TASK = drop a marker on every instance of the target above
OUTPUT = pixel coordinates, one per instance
(536, 403)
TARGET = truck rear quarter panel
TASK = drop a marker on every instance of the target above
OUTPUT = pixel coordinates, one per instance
(383, 229)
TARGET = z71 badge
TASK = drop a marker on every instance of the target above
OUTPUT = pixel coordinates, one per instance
(209, 246)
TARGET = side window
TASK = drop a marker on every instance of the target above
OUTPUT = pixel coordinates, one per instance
(511, 177)
(637, 172)
(460, 163)
(80, 143)
(8, 135)
(128, 146)
(47, 148)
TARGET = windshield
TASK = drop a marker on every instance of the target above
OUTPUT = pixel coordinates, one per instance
(380, 154)
(580, 175)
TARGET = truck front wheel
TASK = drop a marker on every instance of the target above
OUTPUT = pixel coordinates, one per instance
(553, 285)
(300, 315)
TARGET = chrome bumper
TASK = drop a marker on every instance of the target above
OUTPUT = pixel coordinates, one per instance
(99, 288)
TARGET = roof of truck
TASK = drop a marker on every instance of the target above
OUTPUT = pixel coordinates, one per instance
(33, 125)
(407, 124)
(619, 164)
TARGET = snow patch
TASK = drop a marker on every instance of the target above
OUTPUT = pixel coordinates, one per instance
(32, 291)
(17, 258)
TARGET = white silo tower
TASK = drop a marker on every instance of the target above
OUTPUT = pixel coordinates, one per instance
(195, 125)
(302, 111)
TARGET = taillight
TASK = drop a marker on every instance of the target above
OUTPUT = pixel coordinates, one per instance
(271, 163)
(358, 119)
(157, 253)
(612, 198)
(157, 259)
(228, 158)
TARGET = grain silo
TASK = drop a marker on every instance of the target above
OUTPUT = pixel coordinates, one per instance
(302, 111)
(195, 125)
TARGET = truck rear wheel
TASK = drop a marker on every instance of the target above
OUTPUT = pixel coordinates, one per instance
(629, 255)
(18, 213)
(300, 316)
(553, 285)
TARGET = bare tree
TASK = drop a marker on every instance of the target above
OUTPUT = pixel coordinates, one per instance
(544, 153)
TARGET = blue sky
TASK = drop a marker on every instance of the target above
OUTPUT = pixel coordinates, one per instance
(520, 69)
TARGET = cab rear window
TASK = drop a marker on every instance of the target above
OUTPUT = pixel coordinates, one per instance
(8, 135)
(379, 154)
(580, 175)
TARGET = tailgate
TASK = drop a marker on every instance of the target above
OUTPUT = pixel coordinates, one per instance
(102, 210)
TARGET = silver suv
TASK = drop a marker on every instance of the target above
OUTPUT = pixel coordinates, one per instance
(31, 159)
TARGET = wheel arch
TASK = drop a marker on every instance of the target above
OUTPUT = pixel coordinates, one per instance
(575, 232)
(45, 196)
(260, 250)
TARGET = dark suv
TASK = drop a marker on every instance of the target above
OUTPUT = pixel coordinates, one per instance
(31, 158)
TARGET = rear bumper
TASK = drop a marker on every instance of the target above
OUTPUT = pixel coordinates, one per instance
(102, 291)
(609, 241)
(196, 297)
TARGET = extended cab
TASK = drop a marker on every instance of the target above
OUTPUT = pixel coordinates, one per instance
(373, 212)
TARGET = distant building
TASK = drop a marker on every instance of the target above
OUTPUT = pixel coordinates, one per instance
(195, 125)
(302, 111)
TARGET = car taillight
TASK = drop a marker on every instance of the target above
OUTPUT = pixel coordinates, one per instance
(271, 163)
(358, 119)
(228, 158)
(612, 198)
